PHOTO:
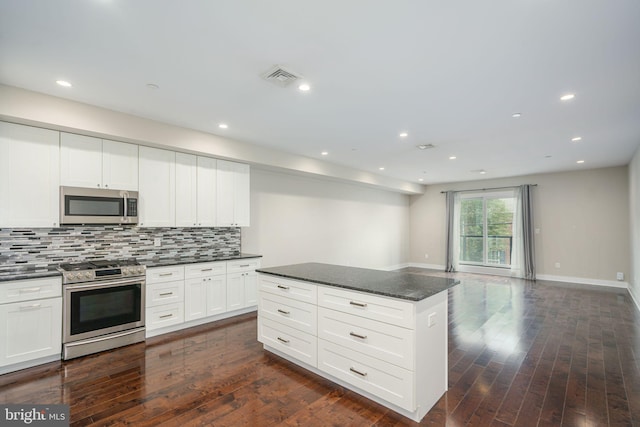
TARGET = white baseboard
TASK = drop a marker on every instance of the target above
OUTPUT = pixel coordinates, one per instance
(431, 266)
(634, 299)
(394, 267)
(584, 281)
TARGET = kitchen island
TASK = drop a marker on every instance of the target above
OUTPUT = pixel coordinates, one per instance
(381, 334)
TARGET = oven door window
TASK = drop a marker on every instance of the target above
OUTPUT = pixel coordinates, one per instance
(96, 309)
(93, 206)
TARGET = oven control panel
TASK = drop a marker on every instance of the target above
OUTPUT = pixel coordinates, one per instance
(89, 276)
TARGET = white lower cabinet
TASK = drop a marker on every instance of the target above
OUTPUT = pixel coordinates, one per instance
(30, 323)
(390, 350)
(182, 296)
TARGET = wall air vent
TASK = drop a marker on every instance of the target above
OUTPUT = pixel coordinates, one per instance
(280, 76)
(425, 146)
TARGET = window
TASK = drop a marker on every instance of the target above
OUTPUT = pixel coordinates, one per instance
(486, 229)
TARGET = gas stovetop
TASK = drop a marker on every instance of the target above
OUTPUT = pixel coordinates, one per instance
(100, 270)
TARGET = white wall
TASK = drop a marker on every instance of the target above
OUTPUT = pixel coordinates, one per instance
(303, 219)
(634, 210)
(583, 218)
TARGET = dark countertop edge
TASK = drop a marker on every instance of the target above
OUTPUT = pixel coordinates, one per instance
(359, 289)
(43, 273)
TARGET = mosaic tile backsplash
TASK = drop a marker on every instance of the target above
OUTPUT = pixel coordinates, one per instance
(41, 247)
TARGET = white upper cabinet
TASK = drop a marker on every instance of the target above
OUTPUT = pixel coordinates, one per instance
(97, 163)
(233, 186)
(186, 190)
(29, 176)
(157, 197)
(206, 192)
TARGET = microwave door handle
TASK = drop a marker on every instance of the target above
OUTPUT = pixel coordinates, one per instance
(126, 214)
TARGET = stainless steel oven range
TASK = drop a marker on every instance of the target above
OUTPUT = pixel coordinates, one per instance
(103, 306)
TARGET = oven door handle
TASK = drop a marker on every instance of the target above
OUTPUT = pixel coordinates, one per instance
(102, 285)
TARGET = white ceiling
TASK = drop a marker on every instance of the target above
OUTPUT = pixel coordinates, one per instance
(450, 73)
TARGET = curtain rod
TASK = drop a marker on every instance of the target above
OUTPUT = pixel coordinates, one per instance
(486, 189)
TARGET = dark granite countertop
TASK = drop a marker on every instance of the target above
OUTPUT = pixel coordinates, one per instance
(165, 262)
(407, 286)
(17, 272)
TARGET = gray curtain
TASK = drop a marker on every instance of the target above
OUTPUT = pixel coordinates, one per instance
(528, 262)
(450, 201)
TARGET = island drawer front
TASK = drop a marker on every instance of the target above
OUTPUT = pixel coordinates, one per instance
(387, 381)
(164, 293)
(295, 343)
(30, 289)
(301, 291)
(205, 269)
(165, 274)
(386, 342)
(296, 314)
(243, 265)
(388, 310)
(164, 315)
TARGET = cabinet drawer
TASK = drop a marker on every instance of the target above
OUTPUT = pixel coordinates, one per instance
(386, 342)
(30, 289)
(165, 274)
(295, 343)
(243, 265)
(164, 315)
(301, 291)
(205, 269)
(392, 311)
(290, 312)
(387, 381)
(164, 293)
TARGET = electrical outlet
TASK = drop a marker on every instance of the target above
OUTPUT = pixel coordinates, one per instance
(157, 242)
(426, 256)
(431, 320)
(620, 275)
(557, 265)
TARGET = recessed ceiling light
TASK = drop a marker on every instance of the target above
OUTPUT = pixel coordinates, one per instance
(576, 139)
(420, 179)
(425, 146)
(482, 172)
(567, 97)
(152, 86)
(404, 135)
(325, 153)
(63, 83)
(223, 126)
(381, 168)
(580, 161)
(516, 115)
(452, 157)
(304, 87)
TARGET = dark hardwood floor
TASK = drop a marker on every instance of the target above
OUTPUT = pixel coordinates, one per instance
(520, 354)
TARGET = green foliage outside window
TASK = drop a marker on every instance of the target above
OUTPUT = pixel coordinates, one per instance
(498, 234)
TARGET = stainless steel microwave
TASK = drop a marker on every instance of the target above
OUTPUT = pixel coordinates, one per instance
(98, 206)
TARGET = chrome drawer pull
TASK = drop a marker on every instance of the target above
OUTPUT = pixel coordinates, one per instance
(283, 312)
(166, 293)
(166, 315)
(30, 307)
(165, 274)
(206, 269)
(362, 337)
(286, 288)
(244, 265)
(358, 304)
(29, 290)
(283, 340)
(355, 371)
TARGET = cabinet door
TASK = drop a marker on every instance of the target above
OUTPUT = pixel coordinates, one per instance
(186, 190)
(157, 188)
(206, 192)
(195, 298)
(80, 160)
(216, 295)
(30, 330)
(119, 165)
(235, 291)
(242, 195)
(29, 176)
(233, 194)
(250, 289)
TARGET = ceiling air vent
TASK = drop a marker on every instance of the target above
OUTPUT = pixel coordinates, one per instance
(280, 76)
(425, 146)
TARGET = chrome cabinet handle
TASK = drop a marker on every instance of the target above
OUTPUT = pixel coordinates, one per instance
(29, 290)
(165, 274)
(283, 287)
(166, 293)
(244, 265)
(358, 304)
(362, 337)
(355, 371)
(206, 269)
(30, 307)
(283, 340)
(283, 312)
(166, 315)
